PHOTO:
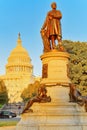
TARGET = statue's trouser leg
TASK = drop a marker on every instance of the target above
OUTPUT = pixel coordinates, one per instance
(53, 42)
(59, 40)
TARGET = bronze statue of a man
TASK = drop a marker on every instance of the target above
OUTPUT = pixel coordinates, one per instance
(52, 27)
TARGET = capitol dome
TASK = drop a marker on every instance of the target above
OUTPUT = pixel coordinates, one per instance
(19, 61)
(19, 72)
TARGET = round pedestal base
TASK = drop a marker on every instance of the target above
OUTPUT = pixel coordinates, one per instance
(55, 68)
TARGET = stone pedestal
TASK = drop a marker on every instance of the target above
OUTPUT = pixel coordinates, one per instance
(52, 116)
(55, 68)
(59, 114)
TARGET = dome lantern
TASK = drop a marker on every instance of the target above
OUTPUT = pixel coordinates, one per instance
(19, 42)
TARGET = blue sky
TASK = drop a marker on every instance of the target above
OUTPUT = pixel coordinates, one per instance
(27, 17)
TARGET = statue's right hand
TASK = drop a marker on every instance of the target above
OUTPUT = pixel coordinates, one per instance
(42, 31)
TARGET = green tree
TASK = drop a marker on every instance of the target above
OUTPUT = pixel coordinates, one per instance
(77, 62)
(3, 93)
(30, 91)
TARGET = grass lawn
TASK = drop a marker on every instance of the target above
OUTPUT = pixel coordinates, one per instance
(8, 123)
(1, 105)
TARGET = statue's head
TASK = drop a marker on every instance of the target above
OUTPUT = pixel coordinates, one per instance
(53, 5)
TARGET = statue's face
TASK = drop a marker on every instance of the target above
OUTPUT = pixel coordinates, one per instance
(53, 5)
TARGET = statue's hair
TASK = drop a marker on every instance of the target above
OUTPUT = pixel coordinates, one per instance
(54, 3)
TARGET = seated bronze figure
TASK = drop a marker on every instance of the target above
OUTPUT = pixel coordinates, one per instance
(40, 97)
(76, 96)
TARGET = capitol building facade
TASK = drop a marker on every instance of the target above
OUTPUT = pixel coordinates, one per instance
(19, 72)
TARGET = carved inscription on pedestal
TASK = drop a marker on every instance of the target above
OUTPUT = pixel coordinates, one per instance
(45, 71)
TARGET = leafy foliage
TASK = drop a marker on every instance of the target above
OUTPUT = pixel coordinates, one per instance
(3, 93)
(77, 62)
(30, 91)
